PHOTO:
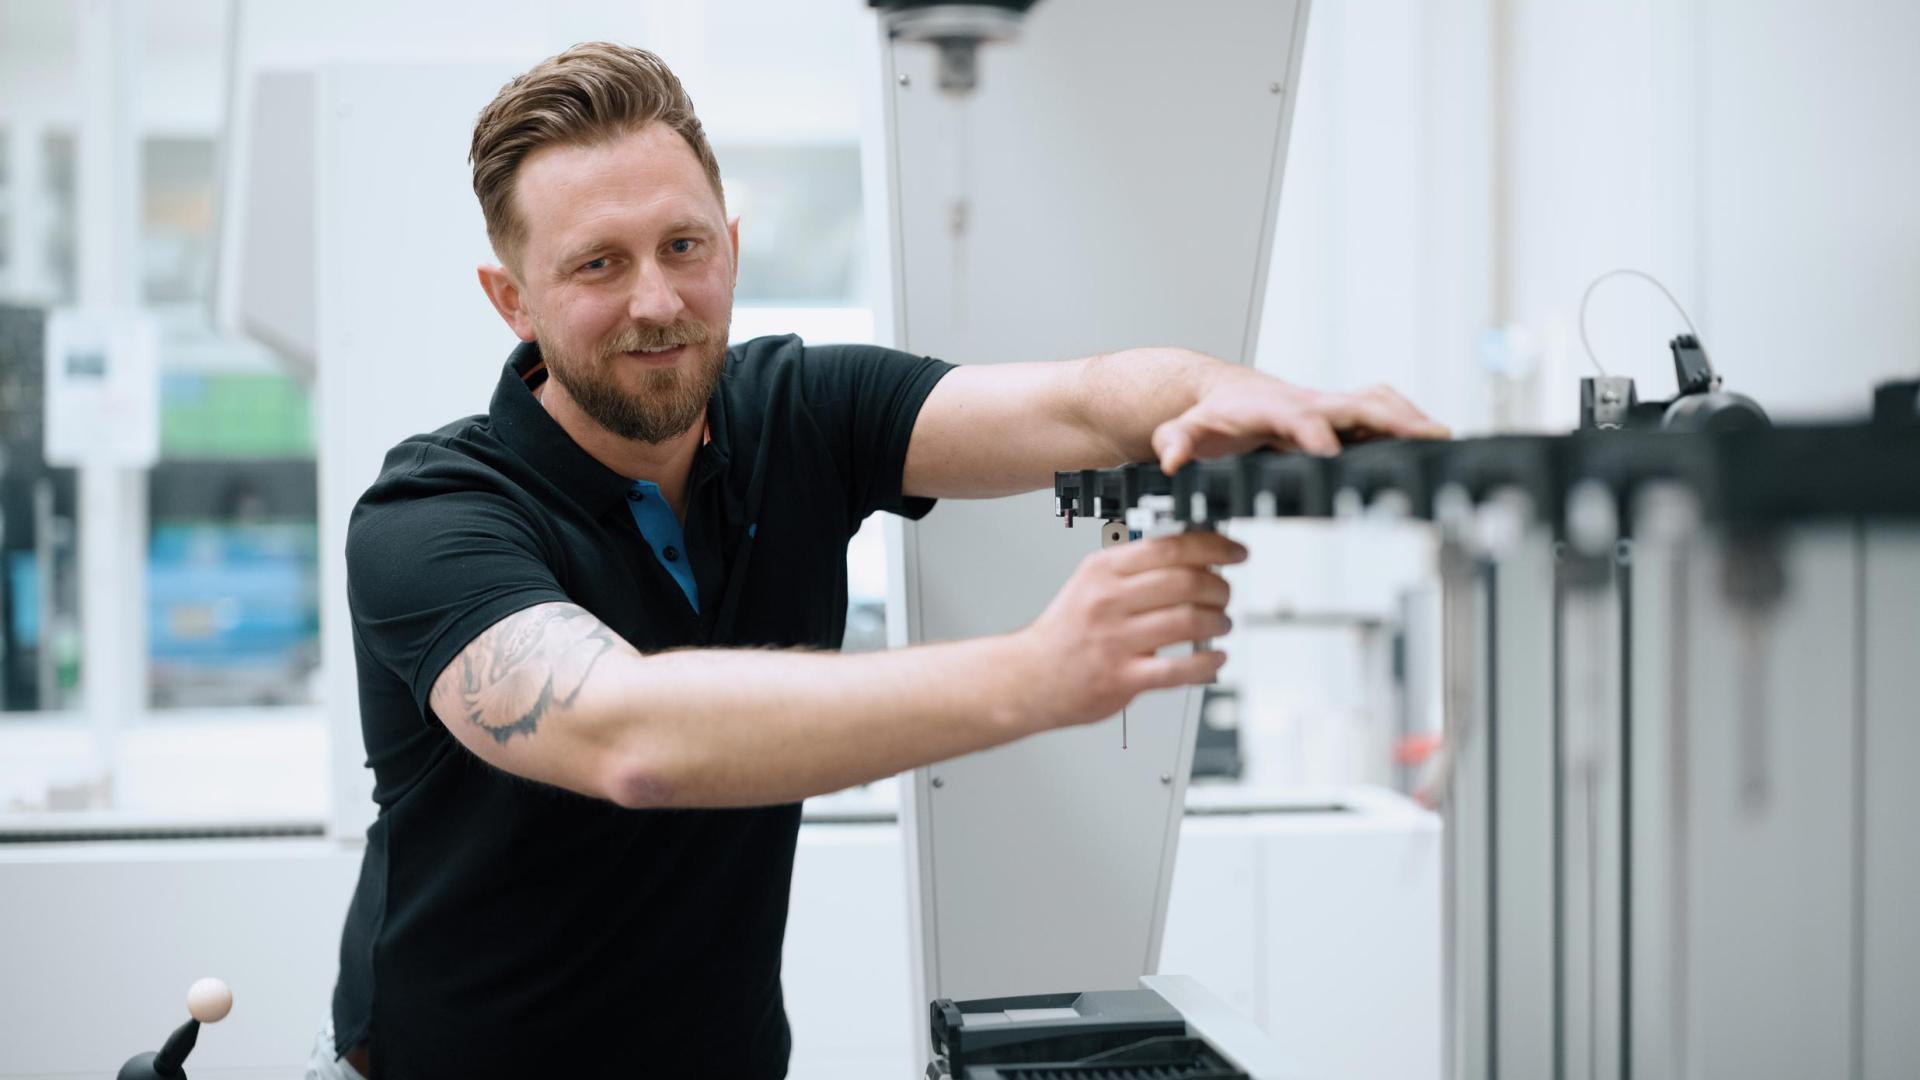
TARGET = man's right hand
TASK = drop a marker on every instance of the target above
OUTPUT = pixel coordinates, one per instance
(1096, 645)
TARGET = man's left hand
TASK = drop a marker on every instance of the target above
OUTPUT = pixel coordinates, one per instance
(1244, 410)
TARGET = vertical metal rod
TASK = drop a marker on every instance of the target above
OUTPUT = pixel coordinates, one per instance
(1590, 709)
(45, 536)
(1858, 1010)
(1452, 660)
(1558, 807)
(5, 610)
(110, 512)
(1460, 583)
(1623, 576)
(1489, 579)
(1593, 928)
(225, 229)
(1679, 854)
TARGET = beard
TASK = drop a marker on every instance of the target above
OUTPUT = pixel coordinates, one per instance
(668, 401)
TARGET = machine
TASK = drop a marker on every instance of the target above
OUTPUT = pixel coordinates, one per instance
(1612, 402)
(1035, 209)
(208, 1002)
(957, 30)
(1170, 1027)
(1680, 731)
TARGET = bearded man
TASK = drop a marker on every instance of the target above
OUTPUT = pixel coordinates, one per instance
(596, 627)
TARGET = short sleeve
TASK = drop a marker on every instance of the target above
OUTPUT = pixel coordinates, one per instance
(426, 575)
(869, 398)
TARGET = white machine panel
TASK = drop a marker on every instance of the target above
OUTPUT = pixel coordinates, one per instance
(1768, 928)
(406, 341)
(276, 212)
(1522, 747)
(1659, 593)
(1743, 806)
(1891, 977)
(1111, 183)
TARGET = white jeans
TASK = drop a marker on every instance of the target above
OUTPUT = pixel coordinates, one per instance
(324, 1065)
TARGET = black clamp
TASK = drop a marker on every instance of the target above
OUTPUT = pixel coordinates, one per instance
(1610, 402)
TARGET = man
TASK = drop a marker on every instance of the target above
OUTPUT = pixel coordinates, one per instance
(595, 627)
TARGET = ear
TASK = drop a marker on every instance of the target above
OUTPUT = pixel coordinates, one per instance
(508, 299)
(733, 234)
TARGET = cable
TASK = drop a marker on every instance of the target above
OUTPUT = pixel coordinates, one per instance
(1627, 270)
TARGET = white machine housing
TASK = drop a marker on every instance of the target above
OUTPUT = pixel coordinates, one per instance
(1111, 182)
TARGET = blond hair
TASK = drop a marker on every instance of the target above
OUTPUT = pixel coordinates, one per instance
(588, 94)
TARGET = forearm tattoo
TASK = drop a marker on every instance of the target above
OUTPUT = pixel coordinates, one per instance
(527, 664)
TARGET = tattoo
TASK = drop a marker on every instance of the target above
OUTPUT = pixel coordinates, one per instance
(527, 664)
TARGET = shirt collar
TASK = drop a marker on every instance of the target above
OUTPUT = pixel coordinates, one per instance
(531, 432)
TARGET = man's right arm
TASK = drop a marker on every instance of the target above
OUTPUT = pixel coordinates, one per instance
(550, 693)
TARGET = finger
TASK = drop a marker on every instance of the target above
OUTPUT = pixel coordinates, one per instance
(1380, 414)
(1204, 432)
(1185, 549)
(1160, 672)
(1291, 427)
(1311, 432)
(1429, 428)
(1172, 585)
(1173, 444)
(1155, 630)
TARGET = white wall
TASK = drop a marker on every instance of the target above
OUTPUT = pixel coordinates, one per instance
(1808, 221)
(1758, 155)
(1380, 252)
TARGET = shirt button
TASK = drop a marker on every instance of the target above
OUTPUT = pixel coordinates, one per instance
(672, 553)
(634, 496)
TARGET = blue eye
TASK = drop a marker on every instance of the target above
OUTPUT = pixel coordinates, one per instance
(681, 246)
(597, 264)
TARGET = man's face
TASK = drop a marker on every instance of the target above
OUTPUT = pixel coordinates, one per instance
(627, 273)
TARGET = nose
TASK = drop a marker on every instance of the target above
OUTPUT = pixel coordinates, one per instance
(655, 298)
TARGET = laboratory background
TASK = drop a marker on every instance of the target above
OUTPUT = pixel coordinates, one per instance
(237, 251)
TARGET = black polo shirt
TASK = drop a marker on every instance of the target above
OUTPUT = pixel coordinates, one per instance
(502, 927)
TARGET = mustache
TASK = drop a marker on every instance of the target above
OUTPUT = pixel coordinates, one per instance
(638, 337)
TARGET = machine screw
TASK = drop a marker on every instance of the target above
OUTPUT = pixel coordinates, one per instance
(1166, 778)
(906, 80)
(938, 782)
(1274, 88)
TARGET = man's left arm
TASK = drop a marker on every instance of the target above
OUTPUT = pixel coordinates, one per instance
(998, 429)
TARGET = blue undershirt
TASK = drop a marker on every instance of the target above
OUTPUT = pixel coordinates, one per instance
(664, 535)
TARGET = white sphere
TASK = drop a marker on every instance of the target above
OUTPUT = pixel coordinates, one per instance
(209, 1001)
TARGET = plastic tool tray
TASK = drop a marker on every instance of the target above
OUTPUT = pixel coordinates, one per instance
(1097, 1035)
